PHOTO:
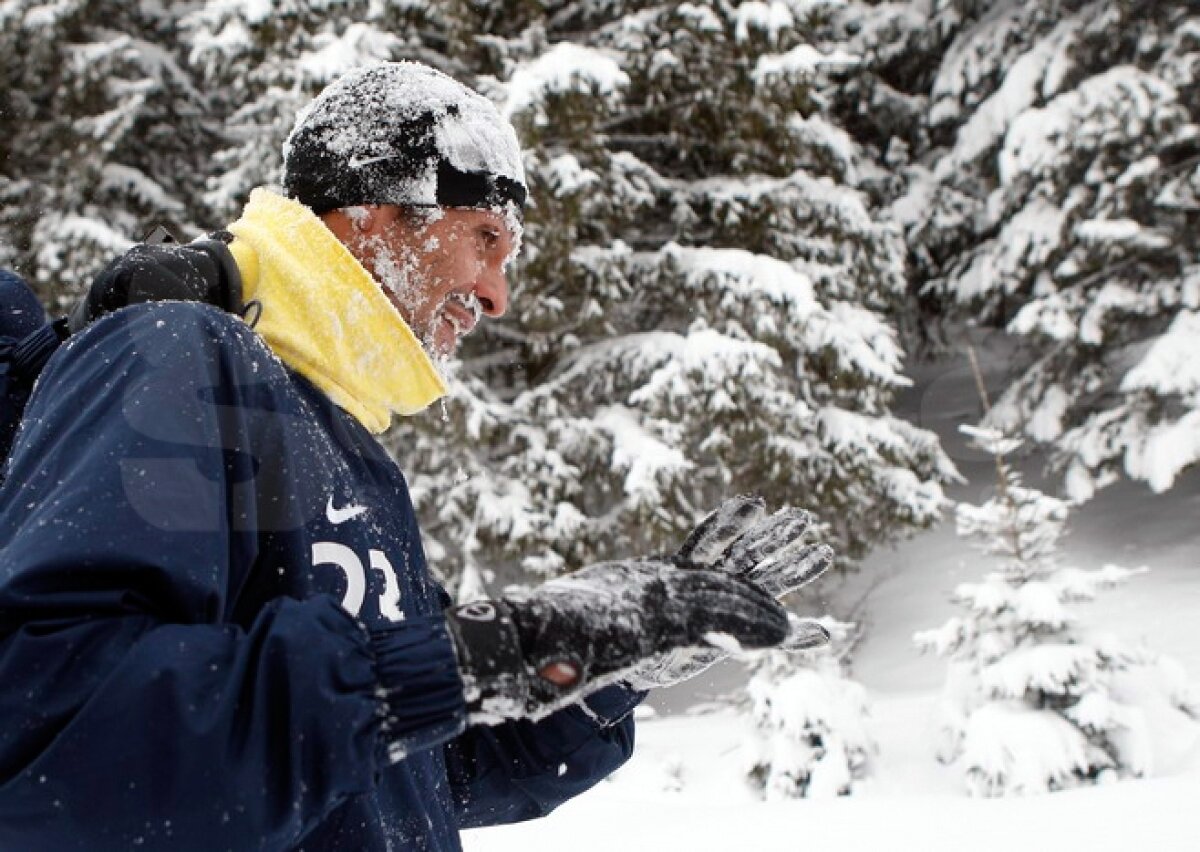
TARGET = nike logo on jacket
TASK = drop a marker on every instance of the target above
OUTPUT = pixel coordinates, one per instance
(340, 516)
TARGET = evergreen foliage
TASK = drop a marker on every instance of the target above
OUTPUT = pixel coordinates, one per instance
(1057, 198)
(105, 134)
(811, 722)
(1033, 700)
(706, 303)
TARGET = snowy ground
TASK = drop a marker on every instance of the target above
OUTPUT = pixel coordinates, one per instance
(683, 790)
(639, 810)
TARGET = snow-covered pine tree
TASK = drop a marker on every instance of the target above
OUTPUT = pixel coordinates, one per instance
(811, 723)
(1030, 703)
(702, 306)
(1060, 202)
(704, 303)
(104, 135)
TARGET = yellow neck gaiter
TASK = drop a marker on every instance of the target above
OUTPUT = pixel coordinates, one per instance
(326, 317)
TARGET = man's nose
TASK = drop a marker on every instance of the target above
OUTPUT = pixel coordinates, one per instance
(492, 290)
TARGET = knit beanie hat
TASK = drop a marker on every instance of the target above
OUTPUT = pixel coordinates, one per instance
(402, 133)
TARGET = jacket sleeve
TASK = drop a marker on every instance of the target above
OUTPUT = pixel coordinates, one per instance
(135, 712)
(520, 770)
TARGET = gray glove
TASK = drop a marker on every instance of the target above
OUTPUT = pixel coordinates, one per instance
(525, 656)
(740, 539)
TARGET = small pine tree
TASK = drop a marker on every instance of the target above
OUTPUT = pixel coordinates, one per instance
(813, 738)
(1030, 701)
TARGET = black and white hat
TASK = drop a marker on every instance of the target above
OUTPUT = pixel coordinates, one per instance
(402, 133)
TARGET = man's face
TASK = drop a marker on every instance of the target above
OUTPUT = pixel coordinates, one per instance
(441, 268)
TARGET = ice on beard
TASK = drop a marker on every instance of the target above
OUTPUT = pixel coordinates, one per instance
(396, 271)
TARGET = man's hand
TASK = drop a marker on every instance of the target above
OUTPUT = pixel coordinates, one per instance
(525, 656)
(739, 538)
(651, 622)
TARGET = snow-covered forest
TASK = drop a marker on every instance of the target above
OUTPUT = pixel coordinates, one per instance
(763, 236)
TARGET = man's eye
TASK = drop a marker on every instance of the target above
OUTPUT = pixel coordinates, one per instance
(490, 238)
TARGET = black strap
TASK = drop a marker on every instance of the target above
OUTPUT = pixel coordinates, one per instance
(489, 654)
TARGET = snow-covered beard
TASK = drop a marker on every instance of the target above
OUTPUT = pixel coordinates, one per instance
(398, 272)
(402, 275)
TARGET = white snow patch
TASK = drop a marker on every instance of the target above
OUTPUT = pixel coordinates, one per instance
(684, 790)
(643, 456)
(567, 176)
(1172, 364)
(1021, 749)
(1046, 420)
(771, 18)
(1049, 315)
(138, 185)
(1165, 451)
(1026, 241)
(337, 54)
(701, 17)
(1123, 99)
(1123, 231)
(803, 61)
(565, 67)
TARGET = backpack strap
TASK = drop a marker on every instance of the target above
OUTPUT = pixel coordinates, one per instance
(216, 245)
(200, 271)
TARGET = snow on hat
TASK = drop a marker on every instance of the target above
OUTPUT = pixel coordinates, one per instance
(402, 133)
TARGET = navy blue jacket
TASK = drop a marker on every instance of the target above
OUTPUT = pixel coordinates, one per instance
(186, 530)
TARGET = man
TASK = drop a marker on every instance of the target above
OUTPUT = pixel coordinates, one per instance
(217, 629)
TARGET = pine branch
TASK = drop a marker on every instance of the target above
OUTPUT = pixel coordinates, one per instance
(637, 115)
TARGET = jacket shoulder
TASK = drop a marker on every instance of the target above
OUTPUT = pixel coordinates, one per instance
(182, 323)
(192, 341)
